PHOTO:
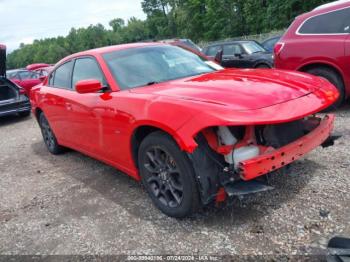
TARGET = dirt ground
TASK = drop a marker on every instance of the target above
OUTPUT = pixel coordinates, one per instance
(72, 204)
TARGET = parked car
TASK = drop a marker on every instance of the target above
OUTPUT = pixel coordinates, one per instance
(44, 71)
(241, 54)
(194, 49)
(318, 43)
(41, 68)
(12, 97)
(182, 42)
(270, 43)
(33, 67)
(24, 78)
(192, 134)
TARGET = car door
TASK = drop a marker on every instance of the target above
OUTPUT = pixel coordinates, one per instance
(56, 96)
(232, 55)
(211, 51)
(87, 112)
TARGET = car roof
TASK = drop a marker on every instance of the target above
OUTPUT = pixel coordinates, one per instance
(108, 49)
(231, 42)
(332, 4)
(322, 9)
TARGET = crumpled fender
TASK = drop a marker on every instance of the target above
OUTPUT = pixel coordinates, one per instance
(279, 113)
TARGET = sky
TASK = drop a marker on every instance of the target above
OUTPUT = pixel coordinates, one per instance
(22, 21)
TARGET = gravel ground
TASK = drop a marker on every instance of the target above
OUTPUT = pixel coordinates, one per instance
(72, 204)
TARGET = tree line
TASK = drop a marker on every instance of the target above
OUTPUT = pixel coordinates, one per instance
(199, 20)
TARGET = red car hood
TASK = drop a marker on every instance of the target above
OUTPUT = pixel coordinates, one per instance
(239, 89)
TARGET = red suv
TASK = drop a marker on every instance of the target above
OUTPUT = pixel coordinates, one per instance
(318, 43)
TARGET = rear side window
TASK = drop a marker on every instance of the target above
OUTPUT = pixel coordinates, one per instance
(213, 50)
(11, 75)
(62, 76)
(336, 22)
(87, 68)
(232, 49)
(25, 75)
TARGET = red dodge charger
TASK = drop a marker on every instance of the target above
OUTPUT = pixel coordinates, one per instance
(191, 131)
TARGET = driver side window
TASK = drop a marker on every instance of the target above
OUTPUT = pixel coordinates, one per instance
(87, 68)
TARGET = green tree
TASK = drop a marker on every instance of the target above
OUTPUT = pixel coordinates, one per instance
(199, 20)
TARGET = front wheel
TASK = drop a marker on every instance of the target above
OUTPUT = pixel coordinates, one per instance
(49, 136)
(168, 176)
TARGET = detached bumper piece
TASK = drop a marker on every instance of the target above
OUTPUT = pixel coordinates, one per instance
(330, 140)
(271, 161)
(242, 188)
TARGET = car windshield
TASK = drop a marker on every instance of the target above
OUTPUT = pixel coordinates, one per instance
(143, 66)
(253, 47)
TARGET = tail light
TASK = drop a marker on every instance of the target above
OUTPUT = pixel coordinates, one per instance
(278, 48)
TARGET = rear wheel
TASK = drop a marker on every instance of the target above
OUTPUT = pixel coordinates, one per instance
(168, 176)
(49, 136)
(334, 78)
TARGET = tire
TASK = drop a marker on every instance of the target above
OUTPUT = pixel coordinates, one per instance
(168, 176)
(333, 78)
(24, 114)
(49, 136)
(263, 66)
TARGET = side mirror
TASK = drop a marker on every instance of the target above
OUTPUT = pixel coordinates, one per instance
(88, 86)
(239, 55)
(218, 56)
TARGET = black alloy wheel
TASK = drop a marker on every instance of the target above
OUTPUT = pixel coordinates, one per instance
(49, 136)
(163, 177)
(168, 175)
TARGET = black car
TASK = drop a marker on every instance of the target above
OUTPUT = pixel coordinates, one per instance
(12, 97)
(242, 54)
(269, 44)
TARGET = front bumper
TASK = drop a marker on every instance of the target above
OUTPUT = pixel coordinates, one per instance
(269, 162)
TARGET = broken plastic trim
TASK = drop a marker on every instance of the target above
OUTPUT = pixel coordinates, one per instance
(207, 166)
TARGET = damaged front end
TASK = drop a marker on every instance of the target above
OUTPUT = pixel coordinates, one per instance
(232, 161)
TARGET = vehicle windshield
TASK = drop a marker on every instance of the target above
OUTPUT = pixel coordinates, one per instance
(143, 66)
(253, 47)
